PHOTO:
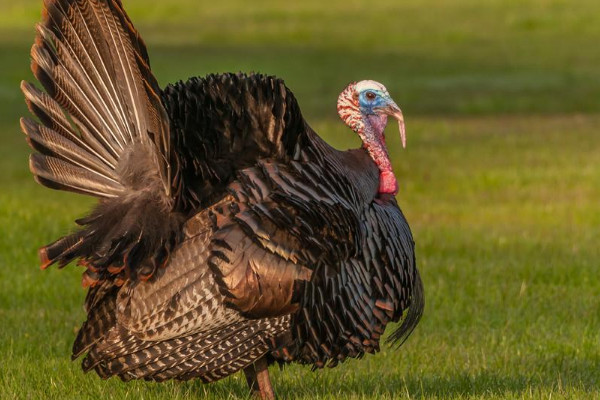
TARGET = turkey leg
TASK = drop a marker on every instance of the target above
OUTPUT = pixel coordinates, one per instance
(257, 376)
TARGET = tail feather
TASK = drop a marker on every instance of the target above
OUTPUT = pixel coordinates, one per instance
(73, 98)
(104, 132)
(51, 115)
(60, 248)
(50, 143)
(58, 174)
(71, 78)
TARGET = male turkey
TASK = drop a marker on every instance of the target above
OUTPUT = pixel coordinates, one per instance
(228, 234)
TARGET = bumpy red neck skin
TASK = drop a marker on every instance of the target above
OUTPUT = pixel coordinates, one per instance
(370, 129)
(374, 141)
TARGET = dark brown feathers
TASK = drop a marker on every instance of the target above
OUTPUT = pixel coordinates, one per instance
(226, 230)
(223, 123)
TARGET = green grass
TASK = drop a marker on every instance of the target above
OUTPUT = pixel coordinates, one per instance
(500, 182)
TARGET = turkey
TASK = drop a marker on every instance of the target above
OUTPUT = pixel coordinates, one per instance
(228, 235)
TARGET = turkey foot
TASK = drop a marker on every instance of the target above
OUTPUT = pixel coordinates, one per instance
(257, 376)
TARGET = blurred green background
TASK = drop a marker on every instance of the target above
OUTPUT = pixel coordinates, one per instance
(500, 182)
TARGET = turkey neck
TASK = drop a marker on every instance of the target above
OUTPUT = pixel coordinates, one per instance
(373, 139)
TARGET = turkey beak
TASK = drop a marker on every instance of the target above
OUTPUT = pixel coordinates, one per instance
(394, 111)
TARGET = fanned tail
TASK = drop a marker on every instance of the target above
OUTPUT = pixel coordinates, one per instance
(103, 132)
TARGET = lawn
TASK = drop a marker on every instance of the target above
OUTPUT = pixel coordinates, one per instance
(500, 182)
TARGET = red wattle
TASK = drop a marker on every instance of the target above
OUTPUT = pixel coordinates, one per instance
(388, 183)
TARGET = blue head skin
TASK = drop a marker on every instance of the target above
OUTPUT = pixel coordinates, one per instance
(365, 106)
(375, 104)
(370, 100)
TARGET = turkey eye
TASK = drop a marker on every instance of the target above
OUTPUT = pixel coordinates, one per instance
(370, 95)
